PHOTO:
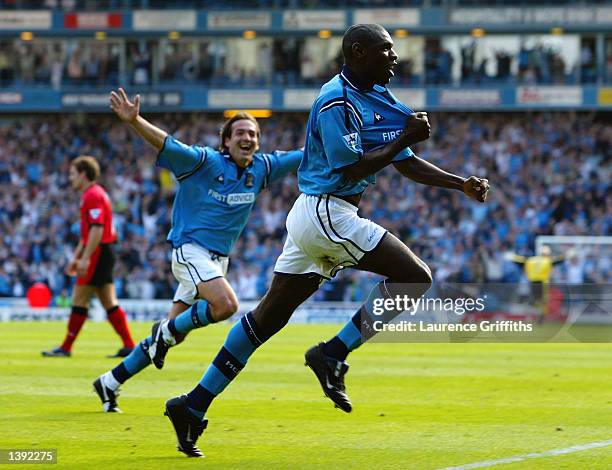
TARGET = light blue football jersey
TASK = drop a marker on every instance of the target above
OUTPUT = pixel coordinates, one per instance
(214, 200)
(345, 122)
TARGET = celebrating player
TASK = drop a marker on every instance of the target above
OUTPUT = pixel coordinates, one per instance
(217, 191)
(356, 127)
(93, 259)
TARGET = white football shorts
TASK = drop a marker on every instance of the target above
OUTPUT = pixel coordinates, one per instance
(325, 234)
(192, 264)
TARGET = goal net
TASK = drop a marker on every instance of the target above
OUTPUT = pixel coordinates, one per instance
(586, 259)
(584, 276)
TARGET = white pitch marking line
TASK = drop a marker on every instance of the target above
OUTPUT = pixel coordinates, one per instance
(533, 455)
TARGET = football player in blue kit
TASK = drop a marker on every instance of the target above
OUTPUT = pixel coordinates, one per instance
(216, 194)
(356, 128)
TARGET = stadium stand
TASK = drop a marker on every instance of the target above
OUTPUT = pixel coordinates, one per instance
(84, 63)
(549, 175)
(549, 170)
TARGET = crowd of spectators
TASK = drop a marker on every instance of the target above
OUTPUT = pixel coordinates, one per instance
(59, 63)
(550, 174)
(279, 61)
(537, 63)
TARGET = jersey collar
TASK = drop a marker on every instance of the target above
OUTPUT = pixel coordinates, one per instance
(89, 187)
(229, 158)
(227, 155)
(352, 80)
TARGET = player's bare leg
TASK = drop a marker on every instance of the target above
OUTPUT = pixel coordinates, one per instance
(223, 301)
(286, 293)
(220, 296)
(394, 260)
(186, 412)
(405, 274)
(116, 317)
(178, 307)
(218, 303)
(81, 296)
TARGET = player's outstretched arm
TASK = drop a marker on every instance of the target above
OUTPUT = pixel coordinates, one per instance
(417, 129)
(424, 172)
(129, 112)
(283, 163)
(518, 259)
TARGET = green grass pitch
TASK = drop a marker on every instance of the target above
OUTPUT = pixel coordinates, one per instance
(416, 406)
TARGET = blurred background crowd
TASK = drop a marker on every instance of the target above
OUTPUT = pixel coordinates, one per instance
(550, 174)
(296, 61)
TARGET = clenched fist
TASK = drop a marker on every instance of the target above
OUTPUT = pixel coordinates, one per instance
(417, 128)
(476, 188)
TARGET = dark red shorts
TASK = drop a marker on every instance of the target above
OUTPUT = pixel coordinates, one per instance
(101, 266)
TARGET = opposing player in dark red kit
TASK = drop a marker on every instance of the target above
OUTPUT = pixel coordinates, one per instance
(93, 259)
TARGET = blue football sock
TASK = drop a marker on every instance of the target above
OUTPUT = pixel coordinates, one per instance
(360, 327)
(349, 337)
(241, 342)
(134, 363)
(196, 316)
